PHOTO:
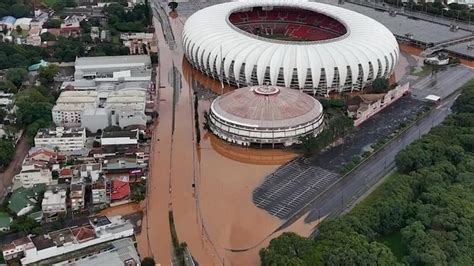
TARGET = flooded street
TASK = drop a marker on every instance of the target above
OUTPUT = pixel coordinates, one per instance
(218, 215)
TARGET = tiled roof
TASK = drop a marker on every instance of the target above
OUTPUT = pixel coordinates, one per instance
(120, 190)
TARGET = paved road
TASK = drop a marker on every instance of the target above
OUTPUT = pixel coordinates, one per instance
(14, 167)
(443, 82)
(353, 186)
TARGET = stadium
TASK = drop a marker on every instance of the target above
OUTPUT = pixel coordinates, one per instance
(265, 115)
(310, 46)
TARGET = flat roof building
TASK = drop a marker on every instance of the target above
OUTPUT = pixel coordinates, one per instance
(114, 68)
(65, 140)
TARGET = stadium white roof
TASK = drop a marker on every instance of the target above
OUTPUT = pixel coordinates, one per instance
(209, 37)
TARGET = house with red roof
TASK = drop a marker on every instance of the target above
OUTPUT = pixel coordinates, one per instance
(120, 190)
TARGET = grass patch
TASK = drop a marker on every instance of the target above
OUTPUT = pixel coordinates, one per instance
(423, 71)
(394, 242)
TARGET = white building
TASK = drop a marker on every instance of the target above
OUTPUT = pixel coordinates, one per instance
(114, 68)
(65, 241)
(30, 175)
(54, 202)
(65, 140)
(324, 48)
(23, 23)
(116, 105)
(91, 171)
(70, 105)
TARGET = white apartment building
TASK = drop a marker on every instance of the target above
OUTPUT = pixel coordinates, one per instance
(70, 105)
(30, 176)
(65, 140)
(54, 202)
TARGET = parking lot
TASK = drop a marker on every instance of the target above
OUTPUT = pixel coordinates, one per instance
(290, 187)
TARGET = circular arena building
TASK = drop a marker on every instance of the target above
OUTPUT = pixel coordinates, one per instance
(265, 115)
(314, 47)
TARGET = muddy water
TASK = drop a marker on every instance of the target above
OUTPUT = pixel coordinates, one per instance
(217, 215)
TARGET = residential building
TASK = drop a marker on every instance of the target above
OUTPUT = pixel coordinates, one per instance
(119, 141)
(363, 106)
(64, 140)
(5, 221)
(120, 190)
(6, 100)
(95, 33)
(7, 22)
(123, 168)
(77, 197)
(23, 200)
(114, 68)
(71, 25)
(54, 204)
(65, 176)
(139, 42)
(16, 249)
(70, 105)
(105, 35)
(23, 23)
(101, 193)
(55, 247)
(43, 154)
(91, 171)
(33, 173)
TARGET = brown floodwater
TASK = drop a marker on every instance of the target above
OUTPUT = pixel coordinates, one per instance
(218, 214)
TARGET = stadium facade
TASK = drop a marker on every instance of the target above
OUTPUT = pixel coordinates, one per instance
(265, 115)
(314, 47)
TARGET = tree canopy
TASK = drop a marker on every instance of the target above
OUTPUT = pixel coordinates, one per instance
(16, 76)
(380, 85)
(7, 150)
(429, 204)
(46, 74)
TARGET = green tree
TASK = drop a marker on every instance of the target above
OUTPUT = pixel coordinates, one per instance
(47, 37)
(52, 24)
(17, 76)
(28, 113)
(287, 249)
(8, 86)
(380, 85)
(46, 74)
(7, 150)
(19, 10)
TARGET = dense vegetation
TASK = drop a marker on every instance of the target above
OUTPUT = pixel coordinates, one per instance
(14, 55)
(422, 215)
(15, 8)
(135, 20)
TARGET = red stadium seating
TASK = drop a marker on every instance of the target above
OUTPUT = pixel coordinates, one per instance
(292, 23)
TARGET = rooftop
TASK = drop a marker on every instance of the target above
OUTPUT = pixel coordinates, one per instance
(119, 134)
(123, 251)
(120, 190)
(267, 106)
(60, 132)
(110, 61)
(23, 197)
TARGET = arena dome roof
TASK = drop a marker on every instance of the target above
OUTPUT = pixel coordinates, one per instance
(337, 49)
(267, 107)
